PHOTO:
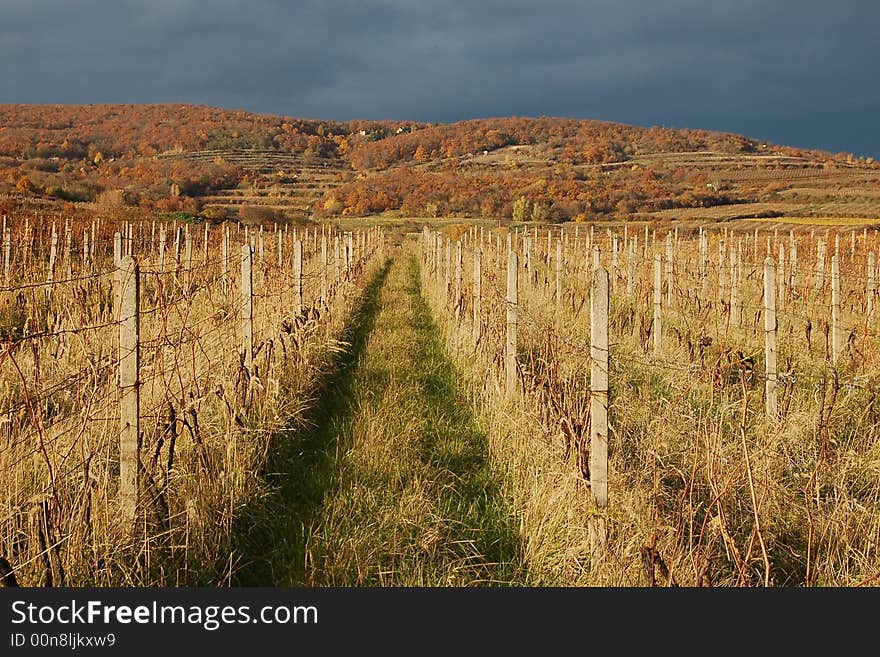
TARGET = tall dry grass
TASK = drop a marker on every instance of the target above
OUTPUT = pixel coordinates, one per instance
(207, 422)
(704, 490)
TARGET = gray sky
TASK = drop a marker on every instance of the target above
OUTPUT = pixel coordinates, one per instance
(798, 72)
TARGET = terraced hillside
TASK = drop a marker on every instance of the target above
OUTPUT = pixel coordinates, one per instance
(216, 163)
(277, 180)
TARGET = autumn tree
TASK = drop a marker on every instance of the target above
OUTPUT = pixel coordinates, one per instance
(332, 206)
(522, 209)
(540, 211)
(25, 185)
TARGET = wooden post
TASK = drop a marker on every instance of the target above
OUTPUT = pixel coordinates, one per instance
(599, 405)
(703, 250)
(630, 265)
(781, 279)
(558, 294)
(438, 252)
(528, 246)
(770, 337)
(615, 261)
(337, 262)
(549, 247)
(704, 263)
(734, 289)
(187, 264)
(176, 247)
(26, 251)
(7, 255)
(512, 301)
(53, 250)
(247, 306)
(669, 263)
(871, 285)
(297, 277)
(129, 392)
(588, 249)
(658, 304)
(820, 265)
(447, 269)
(85, 252)
(599, 387)
(224, 258)
(588, 254)
(477, 294)
(835, 308)
(458, 274)
(68, 251)
(117, 275)
(323, 268)
(280, 236)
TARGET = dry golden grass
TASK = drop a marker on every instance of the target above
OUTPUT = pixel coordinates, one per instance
(206, 423)
(397, 458)
(701, 484)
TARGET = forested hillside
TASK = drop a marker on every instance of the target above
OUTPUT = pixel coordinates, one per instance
(221, 164)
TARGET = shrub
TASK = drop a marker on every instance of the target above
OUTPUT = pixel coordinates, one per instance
(257, 214)
(522, 209)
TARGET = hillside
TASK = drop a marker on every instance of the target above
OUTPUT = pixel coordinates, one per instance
(220, 163)
(172, 157)
(561, 169)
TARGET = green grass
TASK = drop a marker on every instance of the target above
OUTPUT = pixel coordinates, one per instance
(392, 484)
(271, 534)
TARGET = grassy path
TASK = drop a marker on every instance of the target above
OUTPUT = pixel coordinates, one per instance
(393, 485)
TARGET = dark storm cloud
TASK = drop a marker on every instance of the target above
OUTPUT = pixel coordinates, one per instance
(802, 72)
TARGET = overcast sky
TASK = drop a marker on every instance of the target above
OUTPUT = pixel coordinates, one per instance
(798, 72)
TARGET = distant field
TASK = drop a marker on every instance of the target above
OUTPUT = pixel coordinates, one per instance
(821, 221)
(732, 211)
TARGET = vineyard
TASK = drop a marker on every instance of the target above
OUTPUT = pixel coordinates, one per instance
(146, 372)
(711, 421)
(280, 181)
(553, 405)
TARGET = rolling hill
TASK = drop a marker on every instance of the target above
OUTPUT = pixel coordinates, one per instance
(218, 163)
